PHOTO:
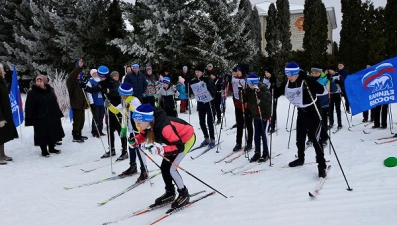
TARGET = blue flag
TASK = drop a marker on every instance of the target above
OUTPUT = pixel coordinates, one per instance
(373, 86)
(16, 100)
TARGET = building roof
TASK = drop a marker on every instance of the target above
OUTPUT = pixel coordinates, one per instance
(263, 7)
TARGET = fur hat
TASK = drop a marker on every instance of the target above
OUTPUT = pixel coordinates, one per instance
(103, 72)
(126, 89)
(292, 69)
(143, 113)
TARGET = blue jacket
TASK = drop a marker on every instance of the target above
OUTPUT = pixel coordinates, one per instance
(96, 96)
(182, 91)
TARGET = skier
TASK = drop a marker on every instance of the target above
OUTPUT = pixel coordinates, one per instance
(296, 88)
(242, 109)
(204, 90)
(260, 100)
(130, 103)
(177, 138)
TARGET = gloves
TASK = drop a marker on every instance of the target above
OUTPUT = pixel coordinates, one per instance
(155, 150)
(3, 123)
(106, 103)
(132, 142)
(82, 85)
(123, 132)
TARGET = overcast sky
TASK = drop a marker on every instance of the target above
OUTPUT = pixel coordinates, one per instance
(328, 3)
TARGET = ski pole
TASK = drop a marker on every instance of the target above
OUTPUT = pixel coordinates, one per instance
(286, 124)
(271, 133)
(245, 129)
(263, 128)
(347, 118)
(179, 167)
(290, 129)
(95, 123)
(330, 142)
(390, 120)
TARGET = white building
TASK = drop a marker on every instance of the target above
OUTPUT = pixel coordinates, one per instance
(296, 24)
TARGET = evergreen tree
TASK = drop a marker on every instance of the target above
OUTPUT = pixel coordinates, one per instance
(244, 47)
(391, 29)
(256, 27)
(316, 31)
(284, 32)
(351, 44)
(374, 24)
(17, 48)
(271, 35)
(7, 18)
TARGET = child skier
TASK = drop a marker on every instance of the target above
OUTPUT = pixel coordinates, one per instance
(177, 137)
(130, 103)
(259, 98)
(301, 90)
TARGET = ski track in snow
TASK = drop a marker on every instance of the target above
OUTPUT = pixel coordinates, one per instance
(32, 186)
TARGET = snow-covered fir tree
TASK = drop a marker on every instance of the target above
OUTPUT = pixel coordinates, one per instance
(315, 41)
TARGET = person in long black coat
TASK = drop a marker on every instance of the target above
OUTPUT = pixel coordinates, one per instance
(8, 130)
(43, 113)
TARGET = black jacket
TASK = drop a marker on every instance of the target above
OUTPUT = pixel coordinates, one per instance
(312, 85)
(43, 113)
(8, 132)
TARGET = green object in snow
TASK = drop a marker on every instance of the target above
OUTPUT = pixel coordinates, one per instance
(390, 162)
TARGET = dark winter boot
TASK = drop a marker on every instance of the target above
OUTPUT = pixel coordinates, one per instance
(143, 175)
(264, 157)
(2, 161)
(82, 137)
(322, 172)
(107, 154)
(3, 155)
(205, 142)
(237, 148)
(167, 197)
(248, 147)
(76, 137)
(297, 162)
(130, 171)
(124, 155)
(182, 199)
(255, 157)
(53, 150)
(44, 151)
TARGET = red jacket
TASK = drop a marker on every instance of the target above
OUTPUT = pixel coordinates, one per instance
(171, 131)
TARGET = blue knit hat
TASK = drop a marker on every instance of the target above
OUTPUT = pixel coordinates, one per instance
(166, 80)
(292, 69)
(252, 79)
(135, 65)
(143, 113)
(126, 89)
(103, 72)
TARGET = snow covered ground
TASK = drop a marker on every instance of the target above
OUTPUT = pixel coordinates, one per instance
(32, 190)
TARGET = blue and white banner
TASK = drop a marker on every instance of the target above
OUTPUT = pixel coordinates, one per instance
(373, 86)
(16, 100)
